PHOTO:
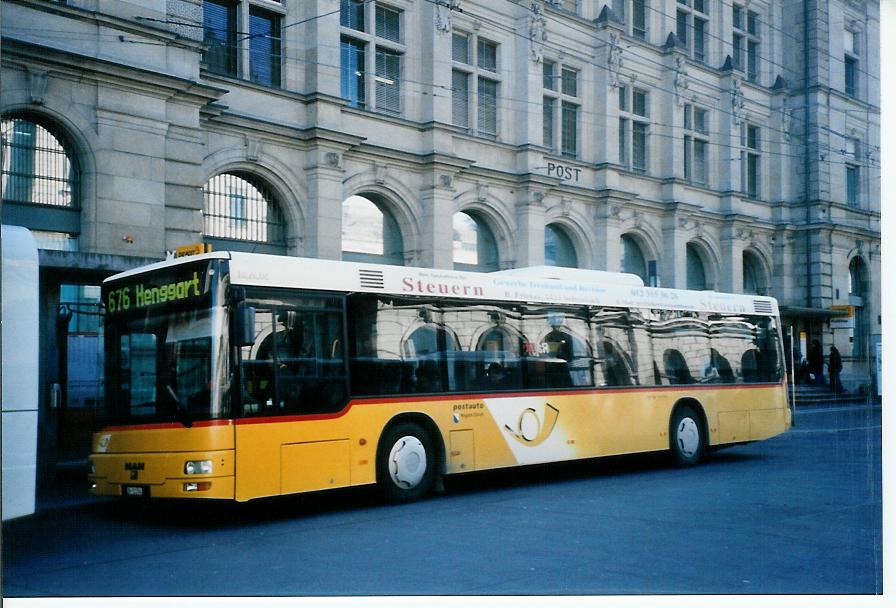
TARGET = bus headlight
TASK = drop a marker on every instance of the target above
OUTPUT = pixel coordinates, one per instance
(198, 467)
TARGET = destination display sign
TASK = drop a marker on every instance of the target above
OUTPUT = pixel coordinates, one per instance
(178, 285)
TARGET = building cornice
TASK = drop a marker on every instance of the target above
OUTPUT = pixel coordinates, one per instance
(102, 20)
(110, 73)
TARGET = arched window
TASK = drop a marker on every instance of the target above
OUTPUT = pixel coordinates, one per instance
(857, 278)
(696, 278)
(474, 245)
(632, 258)
(41, 181)
(370, 233)
(558, 248)
(241, 213)
(754, 277)
(858, 288)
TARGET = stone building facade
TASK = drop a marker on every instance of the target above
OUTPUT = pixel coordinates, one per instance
(731, 146)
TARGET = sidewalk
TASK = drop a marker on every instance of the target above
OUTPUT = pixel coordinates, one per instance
(811, 395)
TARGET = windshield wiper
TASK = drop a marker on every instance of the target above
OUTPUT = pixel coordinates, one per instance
(181, 410)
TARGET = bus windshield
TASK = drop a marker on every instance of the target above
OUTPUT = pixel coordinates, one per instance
(165, 347)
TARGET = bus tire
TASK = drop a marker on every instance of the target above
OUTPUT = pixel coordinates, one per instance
(686, 436)
(406, 463)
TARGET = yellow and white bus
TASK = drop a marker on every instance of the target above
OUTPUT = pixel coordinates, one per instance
(238, 376)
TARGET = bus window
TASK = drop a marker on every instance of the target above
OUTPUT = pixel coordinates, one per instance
(296, 364)
(624, 346)
(562, 357)
(676, 368)
(426, 349)
(722, 371)
(617, 371)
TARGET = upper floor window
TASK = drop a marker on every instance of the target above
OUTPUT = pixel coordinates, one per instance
(40, 181)
(696, 144)
(371, 55)
(692, 25)
(243, 39)
(850, 62)
(634, 14)
(571, 6)
(853, 173)
(745, 41)
(238, 207)
(750, 160)
(474, 83)
(633, 128)
(561, 103)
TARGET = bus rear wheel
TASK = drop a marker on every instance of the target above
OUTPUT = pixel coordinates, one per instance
(686, 436)
(406, 465)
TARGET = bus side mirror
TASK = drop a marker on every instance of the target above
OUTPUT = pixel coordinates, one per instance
(244, 325)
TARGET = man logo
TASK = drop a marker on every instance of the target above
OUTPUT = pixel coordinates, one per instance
(134, 468)
(530, 430)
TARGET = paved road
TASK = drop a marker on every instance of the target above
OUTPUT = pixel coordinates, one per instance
(800, 513)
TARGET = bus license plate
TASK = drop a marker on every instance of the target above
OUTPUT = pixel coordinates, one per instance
(138, 491)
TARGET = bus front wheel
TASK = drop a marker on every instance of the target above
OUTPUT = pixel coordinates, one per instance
(406, 466)
(686, 436)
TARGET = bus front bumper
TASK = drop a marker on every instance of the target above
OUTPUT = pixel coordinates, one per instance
(177, 475)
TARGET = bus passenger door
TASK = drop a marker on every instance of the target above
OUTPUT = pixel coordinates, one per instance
(293, 373)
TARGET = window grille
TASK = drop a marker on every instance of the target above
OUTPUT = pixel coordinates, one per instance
(37, 167)
(237, 207)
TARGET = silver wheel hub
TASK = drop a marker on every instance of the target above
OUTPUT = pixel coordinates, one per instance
(407, 462)
(687, 437)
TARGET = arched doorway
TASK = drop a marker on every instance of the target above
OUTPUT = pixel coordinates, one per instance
(558, 248)
(370, 233)
(475, 248)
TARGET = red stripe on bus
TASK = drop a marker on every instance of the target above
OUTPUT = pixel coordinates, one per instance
(166, 425)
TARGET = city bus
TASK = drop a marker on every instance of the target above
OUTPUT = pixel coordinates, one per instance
(238, 376)
(19, 284)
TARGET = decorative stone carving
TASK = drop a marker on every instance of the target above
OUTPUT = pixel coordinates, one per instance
(538, 31)
(381, 174)
(332, 159)
(614, 60)
(37, 84)
(681, 82)
(786, 119)
(253, 148)
(481, 192)
(737, 102)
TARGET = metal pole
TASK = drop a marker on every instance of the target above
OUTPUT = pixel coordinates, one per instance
(792, 381)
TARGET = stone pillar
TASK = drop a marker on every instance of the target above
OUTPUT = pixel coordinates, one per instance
(323, 224)
(530, 225)
(674, 272)
(436, 227)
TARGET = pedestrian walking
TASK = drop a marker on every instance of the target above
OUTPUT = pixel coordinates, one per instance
(816, 362)
(835, 364)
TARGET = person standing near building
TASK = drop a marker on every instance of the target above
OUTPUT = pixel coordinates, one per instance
(816, 362)
(835, 364)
